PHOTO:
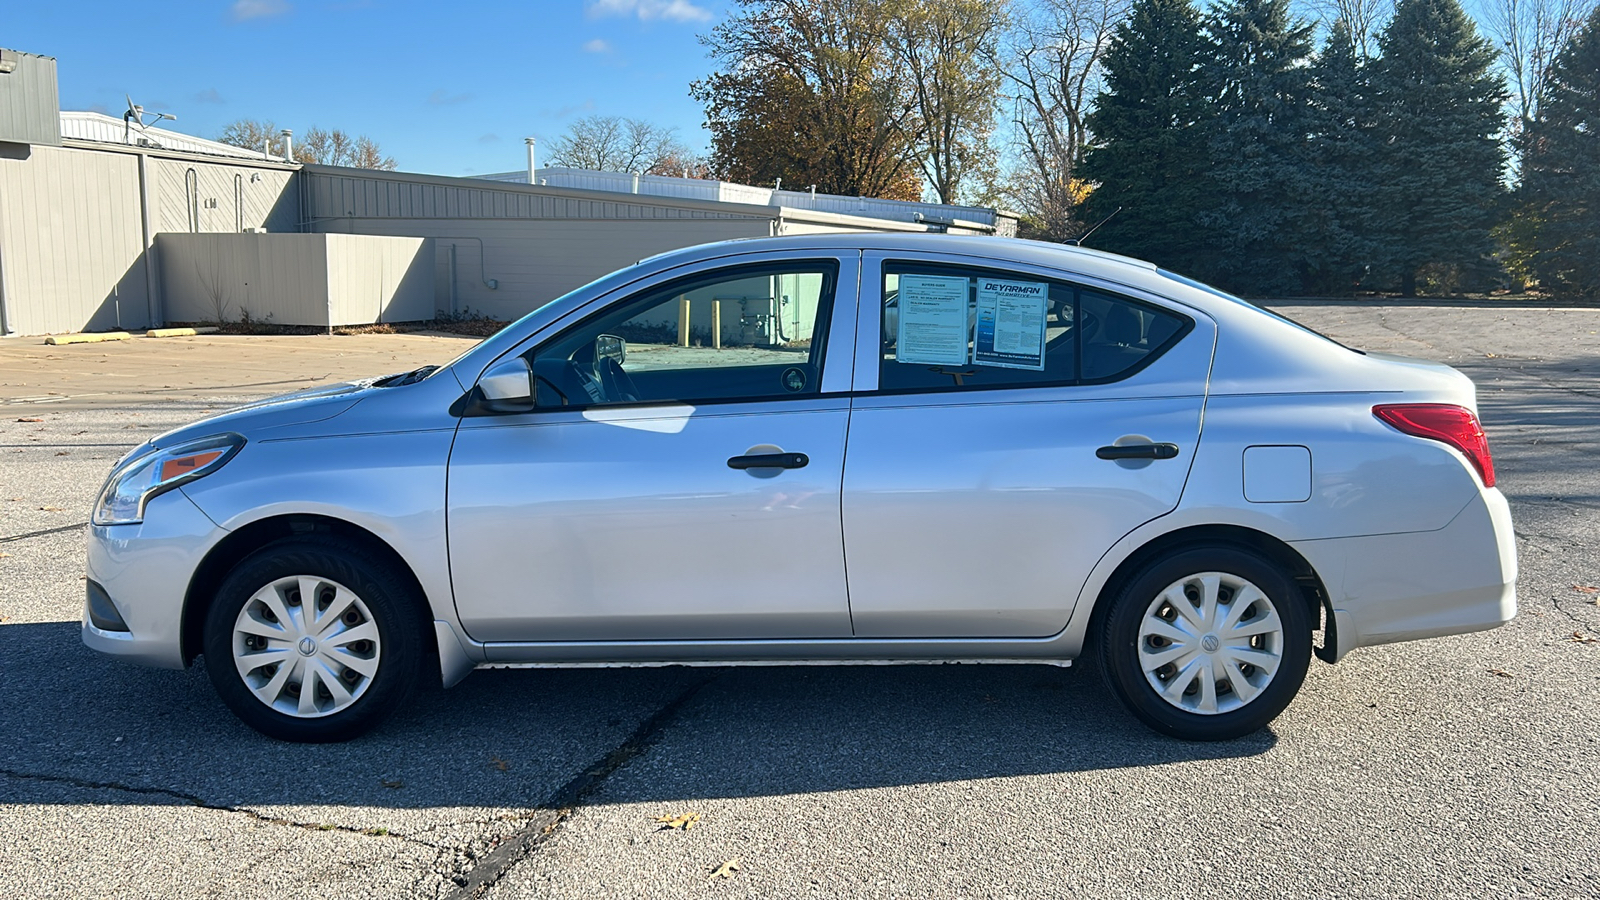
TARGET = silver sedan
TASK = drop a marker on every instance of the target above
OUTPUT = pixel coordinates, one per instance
(846, 449)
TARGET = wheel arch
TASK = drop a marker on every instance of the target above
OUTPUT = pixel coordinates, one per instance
(1313, 592)
(249, 538)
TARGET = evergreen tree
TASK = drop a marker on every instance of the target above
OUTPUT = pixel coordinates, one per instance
(1337, 225)
(1261, 179)
(1439, 104)
(1561, 170)
(1149, 153)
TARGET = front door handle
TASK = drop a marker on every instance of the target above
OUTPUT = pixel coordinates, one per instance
(1138, 451)
(770, 461)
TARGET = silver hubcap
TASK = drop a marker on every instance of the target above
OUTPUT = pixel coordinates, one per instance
(306, 646)
(1210, 643)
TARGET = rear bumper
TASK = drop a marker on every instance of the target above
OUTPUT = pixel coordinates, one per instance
(144, 571)
(1406, 587)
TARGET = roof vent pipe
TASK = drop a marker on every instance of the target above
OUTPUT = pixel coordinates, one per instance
(636, 182)
(533, 162)
(288, 145)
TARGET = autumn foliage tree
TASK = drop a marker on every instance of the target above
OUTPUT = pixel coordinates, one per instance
(808, 91)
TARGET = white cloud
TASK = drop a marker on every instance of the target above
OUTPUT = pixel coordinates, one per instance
(596, 46)
(647, 10)
(244, 10)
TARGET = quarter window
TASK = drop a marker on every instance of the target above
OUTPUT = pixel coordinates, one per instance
(959, 328)
(742, 334)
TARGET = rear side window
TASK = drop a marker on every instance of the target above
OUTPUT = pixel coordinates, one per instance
(960, 328)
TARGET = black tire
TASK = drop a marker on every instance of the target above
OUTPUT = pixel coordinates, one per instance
(1119, 630)
(394, 609)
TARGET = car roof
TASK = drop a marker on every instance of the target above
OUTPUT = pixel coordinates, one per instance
(1062, 256)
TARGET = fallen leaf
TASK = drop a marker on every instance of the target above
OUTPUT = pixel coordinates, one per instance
(397, 783)
(1502, 673)
(1585, 589)
(682, 821)
(63, 452)
(727, 869)
(1579, 637)
(29, 420)
(50, 509)
(499, 763)
(4, 555)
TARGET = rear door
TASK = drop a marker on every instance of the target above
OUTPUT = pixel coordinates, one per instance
(976, 493)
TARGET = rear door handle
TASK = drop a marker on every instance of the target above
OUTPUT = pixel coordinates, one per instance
(770, 461)
(1138, 451)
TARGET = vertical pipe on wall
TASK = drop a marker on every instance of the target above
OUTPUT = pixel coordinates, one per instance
(5, 320)
(152, 311)
(533, 161)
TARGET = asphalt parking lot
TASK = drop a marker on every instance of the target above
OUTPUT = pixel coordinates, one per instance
(1465, 766)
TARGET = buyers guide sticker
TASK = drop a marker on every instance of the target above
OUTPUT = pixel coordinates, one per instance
(933, 321)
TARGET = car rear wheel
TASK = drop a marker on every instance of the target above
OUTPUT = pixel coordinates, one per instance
(313, 641)
(1207, 644)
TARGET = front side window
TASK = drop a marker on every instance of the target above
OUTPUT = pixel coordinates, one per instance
(961, 328)
(737, 334)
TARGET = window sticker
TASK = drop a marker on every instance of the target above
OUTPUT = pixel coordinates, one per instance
(934, 328)
(1010, 330)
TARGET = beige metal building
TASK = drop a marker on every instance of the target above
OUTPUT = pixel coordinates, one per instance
(106, 224)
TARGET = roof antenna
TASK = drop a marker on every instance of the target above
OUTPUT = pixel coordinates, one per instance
(136, 116)
(1078, 241)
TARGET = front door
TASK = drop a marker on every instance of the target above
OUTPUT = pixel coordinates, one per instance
(680, 479)
(976, 498)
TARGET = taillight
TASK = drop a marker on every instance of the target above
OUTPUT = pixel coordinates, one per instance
(1453, 425)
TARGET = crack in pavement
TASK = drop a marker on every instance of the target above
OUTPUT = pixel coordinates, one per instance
(47, 531)
(561, 804)
(196, 800)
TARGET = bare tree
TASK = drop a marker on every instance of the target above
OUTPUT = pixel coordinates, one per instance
(1052, 66)
(338, 148)
(260, 135)
(1364, 18)
(1529, 34)
(616, 144)
(944, 45)
(317, 145)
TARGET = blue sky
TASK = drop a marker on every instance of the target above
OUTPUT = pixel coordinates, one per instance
(444, 88)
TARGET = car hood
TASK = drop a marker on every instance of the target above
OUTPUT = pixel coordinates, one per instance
(297, 408)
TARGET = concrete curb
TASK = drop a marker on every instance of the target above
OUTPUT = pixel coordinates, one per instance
(56, 339)
(181, 332)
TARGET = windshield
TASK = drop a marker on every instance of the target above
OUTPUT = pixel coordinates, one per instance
(1202, 286)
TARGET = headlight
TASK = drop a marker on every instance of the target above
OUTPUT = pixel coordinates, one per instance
(146, 474)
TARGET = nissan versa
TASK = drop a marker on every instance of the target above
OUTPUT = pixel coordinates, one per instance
(840, 448)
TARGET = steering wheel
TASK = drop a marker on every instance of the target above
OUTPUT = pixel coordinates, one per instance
(616, 382)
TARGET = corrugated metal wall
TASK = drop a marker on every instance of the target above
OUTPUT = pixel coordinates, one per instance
(220, 197)
(29, 101)
(535, 261)
(72, 228)
(72, 241)
(351, 193)
(537, 245)
(378, 279)
(296, 279)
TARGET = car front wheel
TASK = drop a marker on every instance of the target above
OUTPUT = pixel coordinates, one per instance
(1207, 644)
(313, 641)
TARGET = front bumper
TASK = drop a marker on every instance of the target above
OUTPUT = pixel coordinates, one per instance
(144, 571)
(1406, 587)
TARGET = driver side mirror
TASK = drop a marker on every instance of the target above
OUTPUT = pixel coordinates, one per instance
(507, 387)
